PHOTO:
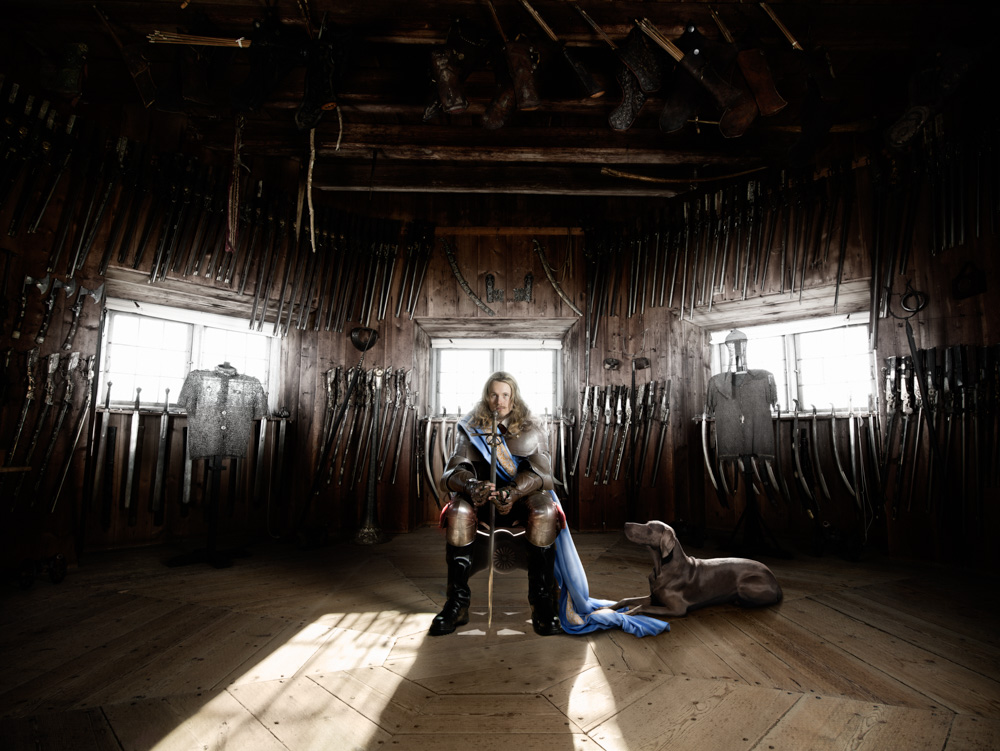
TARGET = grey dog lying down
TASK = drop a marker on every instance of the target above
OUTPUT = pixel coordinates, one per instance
(680, 583)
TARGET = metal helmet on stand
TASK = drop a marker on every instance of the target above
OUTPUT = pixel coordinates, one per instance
(736, 343)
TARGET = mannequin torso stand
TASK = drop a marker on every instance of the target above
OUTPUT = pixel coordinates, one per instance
(758, 539)
(741, 400)
(210, 554)
(222, 405)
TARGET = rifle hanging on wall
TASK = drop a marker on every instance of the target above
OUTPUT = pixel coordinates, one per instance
(664, 417)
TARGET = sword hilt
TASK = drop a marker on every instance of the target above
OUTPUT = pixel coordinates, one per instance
(30, 365)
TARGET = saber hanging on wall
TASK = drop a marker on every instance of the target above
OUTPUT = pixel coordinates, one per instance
(450, 253)
(133, 444)
(550, 275)
(159, 476)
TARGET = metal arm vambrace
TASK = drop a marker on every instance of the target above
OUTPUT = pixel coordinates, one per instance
(458, 479)
(524, 484)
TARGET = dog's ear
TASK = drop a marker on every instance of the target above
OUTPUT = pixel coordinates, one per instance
(667, 542)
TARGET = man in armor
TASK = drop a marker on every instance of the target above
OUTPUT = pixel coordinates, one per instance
(522, 495)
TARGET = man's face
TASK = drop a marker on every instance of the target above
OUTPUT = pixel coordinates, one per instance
(500, 398)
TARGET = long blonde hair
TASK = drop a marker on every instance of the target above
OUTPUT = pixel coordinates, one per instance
(520, 415)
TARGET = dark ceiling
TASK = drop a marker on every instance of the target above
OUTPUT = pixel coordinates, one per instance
(379, 137)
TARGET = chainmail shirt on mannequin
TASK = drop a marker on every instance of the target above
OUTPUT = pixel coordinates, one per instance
(221, 405)
(741, 404)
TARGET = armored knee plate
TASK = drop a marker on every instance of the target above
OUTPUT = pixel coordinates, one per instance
(543, 520)
(460, 519)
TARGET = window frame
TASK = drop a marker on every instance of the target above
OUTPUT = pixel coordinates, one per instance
(791, 332)
(199, 321)
(496, 347)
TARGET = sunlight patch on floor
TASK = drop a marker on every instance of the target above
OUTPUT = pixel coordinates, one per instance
(316, 684)
(591, 695)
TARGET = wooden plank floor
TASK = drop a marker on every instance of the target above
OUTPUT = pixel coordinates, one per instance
(327, 649)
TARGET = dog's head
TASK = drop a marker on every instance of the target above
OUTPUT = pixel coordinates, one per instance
(654, 534)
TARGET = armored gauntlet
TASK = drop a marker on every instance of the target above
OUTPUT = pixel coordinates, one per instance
(465, 481)
(524, 484)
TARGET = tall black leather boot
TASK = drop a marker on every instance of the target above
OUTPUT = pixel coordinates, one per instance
(633, 97)
(543, 594)
(455, 612)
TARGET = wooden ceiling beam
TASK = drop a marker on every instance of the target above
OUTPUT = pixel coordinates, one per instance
(491, 328)
(516, 144)
(431, 143)
(854, 297)
(830, 23)
(386, 177)
(558, 149)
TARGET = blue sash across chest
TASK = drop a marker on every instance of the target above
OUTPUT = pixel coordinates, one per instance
(506, 462)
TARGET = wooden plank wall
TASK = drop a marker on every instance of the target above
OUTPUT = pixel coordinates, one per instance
(677, 348)
(930, 516)
(944, 521)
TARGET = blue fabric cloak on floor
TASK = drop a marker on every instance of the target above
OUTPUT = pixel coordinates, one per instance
(579, 613)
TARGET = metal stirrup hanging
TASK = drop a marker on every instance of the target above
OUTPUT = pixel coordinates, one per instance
(494, 444)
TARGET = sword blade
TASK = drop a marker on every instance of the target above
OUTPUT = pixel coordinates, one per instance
(836, 452)
(609, 459)
(815, 449)
(161, 455)
(704, 450)
(495, 442)
(18, 430)
(659, 453)
(258, 475)
(621, 449)
(399, 444)
(579, 445)
(133, 442)
(799, 473)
